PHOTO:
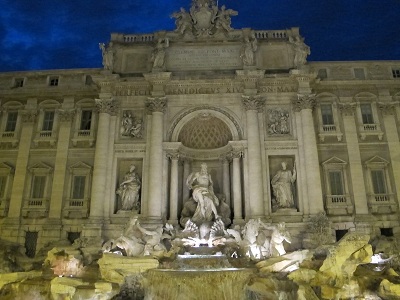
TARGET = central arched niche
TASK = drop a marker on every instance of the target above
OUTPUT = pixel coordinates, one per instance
(205, 131)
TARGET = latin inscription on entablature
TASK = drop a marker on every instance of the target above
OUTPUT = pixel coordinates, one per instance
(278, 89)
(129, 91)
(193, 90)
(225, 57)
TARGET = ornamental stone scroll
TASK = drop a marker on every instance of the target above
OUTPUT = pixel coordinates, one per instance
(66, 115)
(29, 116)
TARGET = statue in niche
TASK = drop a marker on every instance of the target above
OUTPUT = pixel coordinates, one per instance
(158, 56)
(203, 194)
(183, 21)
(130, 126)
(282, 186)
(223, 19)
(301, 51)
(108, 56)
(278, 122)
(248, 50)
(129, 189)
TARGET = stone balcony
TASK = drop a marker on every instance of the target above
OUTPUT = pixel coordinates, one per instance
(338, 205)
(76, 208)
(330, 131)
(35, 208)
(382, 203)
(370, 130)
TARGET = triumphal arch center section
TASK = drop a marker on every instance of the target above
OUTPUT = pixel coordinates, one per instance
(204, 122)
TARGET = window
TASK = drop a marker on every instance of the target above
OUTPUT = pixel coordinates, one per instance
(322, 74)
(30, 243)
(359, 73)
(72, 236)
(378, 181)
(396, 73)
(86, 120)
(53, 81)
(327, 114)
(78, 188)
(48, 121)
(19, 82)
(38, 186)
(380, 196)
(387, 232)
(3, 181)
(11, 123)
(340, 233)
(336, 182)
(337, 196)
(366, 113)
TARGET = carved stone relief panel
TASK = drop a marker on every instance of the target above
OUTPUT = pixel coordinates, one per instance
(278, 121)
(132, 124)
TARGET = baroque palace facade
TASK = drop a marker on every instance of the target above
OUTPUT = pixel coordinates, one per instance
(283, 139)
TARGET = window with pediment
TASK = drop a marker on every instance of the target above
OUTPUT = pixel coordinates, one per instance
(381, 199)
(6, 180)
(367, 115)
(85, 122)
(328, 120)
(37, 196)
(337, 196)
(77, 203)
(11, 123)
(46, 133)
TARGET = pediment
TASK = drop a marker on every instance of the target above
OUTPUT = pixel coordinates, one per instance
(377, 160)
(41, 166)
(334, 161)
(6, 168)
(80, 165)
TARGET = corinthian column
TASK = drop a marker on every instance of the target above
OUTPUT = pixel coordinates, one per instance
(173, 193)
(105, 107)
(253, 104)
(157, 107)
(225, 180)
(236, 187)
(304, 105)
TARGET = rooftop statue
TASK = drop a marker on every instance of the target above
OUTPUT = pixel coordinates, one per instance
(108, 56)
(301, 51)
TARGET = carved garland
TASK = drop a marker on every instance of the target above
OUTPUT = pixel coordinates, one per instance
(388, 108)
(204, 107)
(348, 109)
(66, 115)
(29, 116)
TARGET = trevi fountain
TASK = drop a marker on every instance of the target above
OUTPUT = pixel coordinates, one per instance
(206, 255)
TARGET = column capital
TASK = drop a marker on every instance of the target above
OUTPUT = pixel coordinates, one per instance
(156, 104)
(173, 155)
(236, 154)
(66, 115)
(29, 115)
(255, 102)
(388, 108)
(108, 106)
(304, 101)
(348, 109)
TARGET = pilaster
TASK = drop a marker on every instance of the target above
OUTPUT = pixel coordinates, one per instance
(252, 105)
(348, 111)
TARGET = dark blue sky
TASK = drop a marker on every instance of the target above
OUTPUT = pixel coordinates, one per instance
(63, 34)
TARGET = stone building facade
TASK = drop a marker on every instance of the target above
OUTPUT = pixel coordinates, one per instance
(244, 102)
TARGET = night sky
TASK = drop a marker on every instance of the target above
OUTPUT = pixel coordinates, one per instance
(64, 34)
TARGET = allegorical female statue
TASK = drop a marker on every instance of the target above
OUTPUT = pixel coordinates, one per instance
(129, 190)
(282, 186)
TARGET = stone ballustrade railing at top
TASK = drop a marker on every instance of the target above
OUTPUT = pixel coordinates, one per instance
(148, 38)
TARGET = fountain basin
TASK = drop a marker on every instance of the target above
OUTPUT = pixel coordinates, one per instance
(191, 284)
